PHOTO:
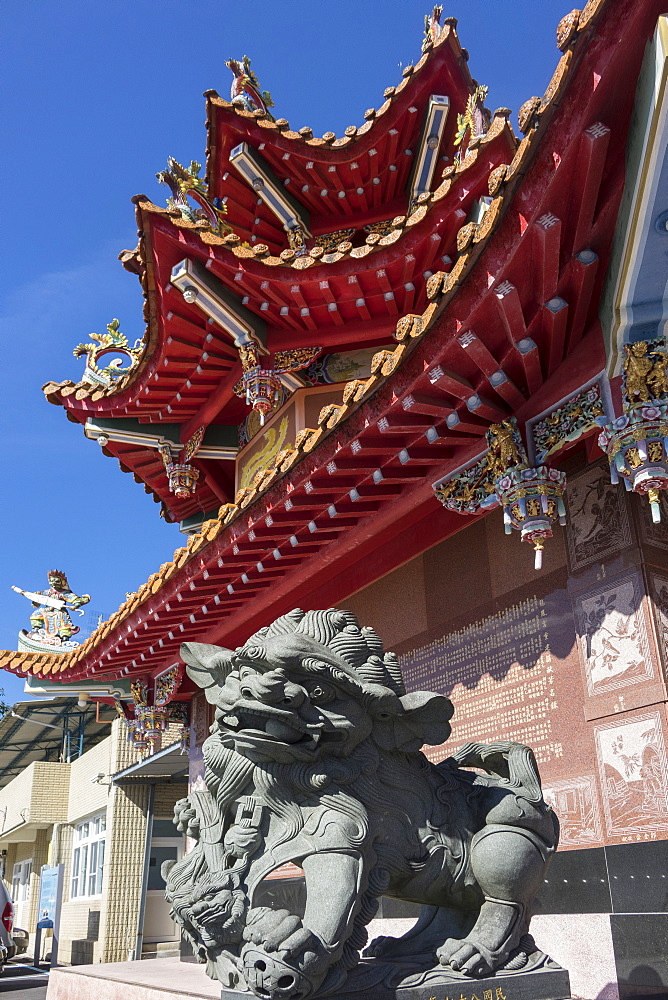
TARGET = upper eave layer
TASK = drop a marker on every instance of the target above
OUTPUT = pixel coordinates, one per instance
(563, 134)
(446, 56)
(438, 213)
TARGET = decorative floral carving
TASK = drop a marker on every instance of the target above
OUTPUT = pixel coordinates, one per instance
(470, 490)
(330, 241)
(193, 444)
(570, 421)
(167, 684)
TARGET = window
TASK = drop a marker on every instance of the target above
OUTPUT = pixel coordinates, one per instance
(21, 881)
(88, 857)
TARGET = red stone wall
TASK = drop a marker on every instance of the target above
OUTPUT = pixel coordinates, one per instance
(570, 660)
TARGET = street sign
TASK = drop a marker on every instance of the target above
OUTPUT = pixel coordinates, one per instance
(48, 914)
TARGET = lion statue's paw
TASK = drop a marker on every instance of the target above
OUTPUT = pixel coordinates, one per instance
(283, 960)
(380, 947)
(465, 955)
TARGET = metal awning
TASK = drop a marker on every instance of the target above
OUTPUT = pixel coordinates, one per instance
(46, 731)
(167, 765)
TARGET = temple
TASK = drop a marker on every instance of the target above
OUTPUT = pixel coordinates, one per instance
(418, 372)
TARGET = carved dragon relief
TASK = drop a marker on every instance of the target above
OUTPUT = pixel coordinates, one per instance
(314, 758)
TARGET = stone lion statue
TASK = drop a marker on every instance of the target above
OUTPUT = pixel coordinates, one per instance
(314, 758)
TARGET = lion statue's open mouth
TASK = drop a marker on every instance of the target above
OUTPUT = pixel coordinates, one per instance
(314, 758)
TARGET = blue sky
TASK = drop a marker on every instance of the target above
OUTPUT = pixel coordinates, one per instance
(96, 96)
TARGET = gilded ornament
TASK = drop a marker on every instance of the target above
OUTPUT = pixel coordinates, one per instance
(380, 228)
(637, 368)
(193, 444)
(435, 285)
(353, 390)
(496, 179)
(330, 241)
(139, 691)
(465, 236)
(505, 447)
(166, 685)
(297, 240)
(410, 325)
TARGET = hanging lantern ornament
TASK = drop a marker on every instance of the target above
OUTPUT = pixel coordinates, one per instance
(152, 721)
(637, 448)
(182, 478)
(262, 388)
(637, 442)
(137, 737)
(532, 499)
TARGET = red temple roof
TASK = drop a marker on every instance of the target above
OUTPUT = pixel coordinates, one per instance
(511, 328)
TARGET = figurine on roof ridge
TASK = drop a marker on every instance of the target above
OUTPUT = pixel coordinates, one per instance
(432, 27)
(474, 122)
(50, 622)
(245, 90)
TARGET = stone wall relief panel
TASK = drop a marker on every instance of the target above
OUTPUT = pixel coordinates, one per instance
(575, 801)
(658, 586)
(634, 775)
(598, 520)
(614, 634)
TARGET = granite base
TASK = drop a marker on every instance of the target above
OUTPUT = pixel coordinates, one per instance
(539, 984)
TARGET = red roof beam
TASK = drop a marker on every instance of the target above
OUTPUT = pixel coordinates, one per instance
(212, 406)
(583, 270)
(555, 320)
(485, 408)
(510, 310)
(434, 406)
(375, 490)
(590, 165)
(489, 366)
(546, 234)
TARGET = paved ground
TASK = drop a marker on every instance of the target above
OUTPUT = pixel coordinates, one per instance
(20, 981)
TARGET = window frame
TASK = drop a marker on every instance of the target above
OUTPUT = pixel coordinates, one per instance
(88, 856)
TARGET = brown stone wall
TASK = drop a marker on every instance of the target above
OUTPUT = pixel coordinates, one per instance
(570, 660)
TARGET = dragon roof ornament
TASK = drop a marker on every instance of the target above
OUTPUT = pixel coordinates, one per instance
(114, 346)
(185, 183)
(245, 90)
